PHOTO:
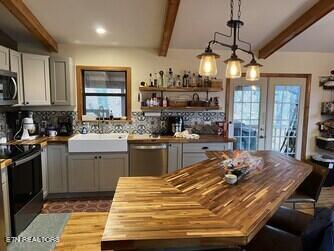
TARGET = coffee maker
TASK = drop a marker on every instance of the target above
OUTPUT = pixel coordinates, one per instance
(174, 124)
(65, 127)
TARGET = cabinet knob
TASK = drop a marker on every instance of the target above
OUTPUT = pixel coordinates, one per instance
(52, 103)
(95, 157)
(27, 103)
(100, 157)
(205, 148)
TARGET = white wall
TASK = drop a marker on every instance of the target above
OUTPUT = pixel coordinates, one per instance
(145, 61)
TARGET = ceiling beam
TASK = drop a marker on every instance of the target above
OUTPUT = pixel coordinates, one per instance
(311, 16)
(27, 18)
(172, 8)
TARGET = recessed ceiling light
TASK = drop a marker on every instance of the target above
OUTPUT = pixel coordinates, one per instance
(100, 30)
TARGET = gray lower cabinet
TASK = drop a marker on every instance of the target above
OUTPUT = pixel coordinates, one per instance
(82, 173)
(5, 198)
(174, 157)
(96, 172)
(44, 157)
(195, 152)
(57, 168)
(111, 167)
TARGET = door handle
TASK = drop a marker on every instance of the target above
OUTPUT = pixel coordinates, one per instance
(149, 147)
(15, 87)
(205, 148)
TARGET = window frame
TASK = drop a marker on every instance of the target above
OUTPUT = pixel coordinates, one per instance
(80, 69)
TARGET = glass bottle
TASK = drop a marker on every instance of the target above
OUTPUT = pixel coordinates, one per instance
(151, 80)
(178, 81)
(170, 78)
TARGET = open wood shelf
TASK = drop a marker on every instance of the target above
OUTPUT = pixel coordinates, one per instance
(181, 89)
(190, 108)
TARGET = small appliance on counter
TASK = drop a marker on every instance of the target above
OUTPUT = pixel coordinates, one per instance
(65, 127)
(174, 124)
(22, 123)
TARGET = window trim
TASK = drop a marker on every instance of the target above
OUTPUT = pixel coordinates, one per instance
(80, 85)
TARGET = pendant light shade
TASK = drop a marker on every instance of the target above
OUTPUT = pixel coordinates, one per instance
(233, 68)
(208, 64)
(253, 71)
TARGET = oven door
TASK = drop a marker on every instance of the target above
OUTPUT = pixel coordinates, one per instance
(25, 190)
(8, 88)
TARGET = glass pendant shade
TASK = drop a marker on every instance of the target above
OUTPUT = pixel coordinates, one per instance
(253, 71)
(208, 64)
(233, 68)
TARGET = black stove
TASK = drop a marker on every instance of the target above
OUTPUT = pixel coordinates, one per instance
(16, 152)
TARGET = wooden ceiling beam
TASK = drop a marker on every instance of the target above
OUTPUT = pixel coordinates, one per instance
(172, 8)
(311, 16)
(27, 18)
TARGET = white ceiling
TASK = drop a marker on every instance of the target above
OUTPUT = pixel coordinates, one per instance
(139, 23)
(129, 23)
(197, 20)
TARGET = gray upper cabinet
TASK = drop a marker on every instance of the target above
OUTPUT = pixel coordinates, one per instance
(4, 58)
(111, 168)
(36, 79)
(61, 78)
(16, 66)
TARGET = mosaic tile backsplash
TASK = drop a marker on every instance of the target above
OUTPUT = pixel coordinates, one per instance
(141, 124)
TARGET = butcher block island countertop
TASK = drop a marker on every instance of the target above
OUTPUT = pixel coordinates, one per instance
(194, 207)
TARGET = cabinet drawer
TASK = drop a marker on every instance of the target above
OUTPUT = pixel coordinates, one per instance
(203, 147)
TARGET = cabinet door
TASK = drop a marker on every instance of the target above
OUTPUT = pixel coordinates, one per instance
(111, 167)
(60, 72)
(4, 58)
(16, 66)
(6, 205)
(174, 157)
(192, 158)
(82, 173)
(36, 79)
(57, 168)
(44, 157)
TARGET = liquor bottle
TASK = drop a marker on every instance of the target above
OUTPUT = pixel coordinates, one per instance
(178, 81)
(193, 80)
(161, 82)
(151, 80)
(165, 102)
(189, 79)
(170, 78)
(184, 79)
(155, 79)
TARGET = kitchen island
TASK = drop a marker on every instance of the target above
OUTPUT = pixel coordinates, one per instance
(194, 207)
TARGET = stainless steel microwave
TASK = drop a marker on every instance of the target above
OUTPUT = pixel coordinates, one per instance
(8, 88)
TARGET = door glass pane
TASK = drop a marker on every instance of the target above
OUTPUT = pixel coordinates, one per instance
(285, 124)
(246, 116)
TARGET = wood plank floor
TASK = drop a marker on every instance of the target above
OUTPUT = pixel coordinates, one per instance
(84, 230)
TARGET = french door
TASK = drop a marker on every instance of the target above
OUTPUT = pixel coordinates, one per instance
(267, 114)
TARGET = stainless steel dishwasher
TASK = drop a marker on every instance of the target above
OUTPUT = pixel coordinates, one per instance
(148, 159)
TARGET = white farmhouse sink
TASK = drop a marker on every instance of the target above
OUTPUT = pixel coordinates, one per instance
(92, 142)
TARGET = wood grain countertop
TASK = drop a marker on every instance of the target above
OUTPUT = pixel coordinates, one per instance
(43, 141)
(135, 139)
(5, 162)
(194, 207)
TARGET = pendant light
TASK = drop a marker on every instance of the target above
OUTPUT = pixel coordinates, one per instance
(208, 65)
(233, 68)
(253, 71)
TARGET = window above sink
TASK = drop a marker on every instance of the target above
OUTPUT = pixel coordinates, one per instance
(104, 92)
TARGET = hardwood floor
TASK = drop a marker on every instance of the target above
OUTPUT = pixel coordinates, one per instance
(84, 230)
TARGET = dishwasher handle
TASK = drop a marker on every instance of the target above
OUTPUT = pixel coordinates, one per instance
(143, 147)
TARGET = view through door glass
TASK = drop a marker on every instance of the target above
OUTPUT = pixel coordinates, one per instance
(246, 116)
(285, 119)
